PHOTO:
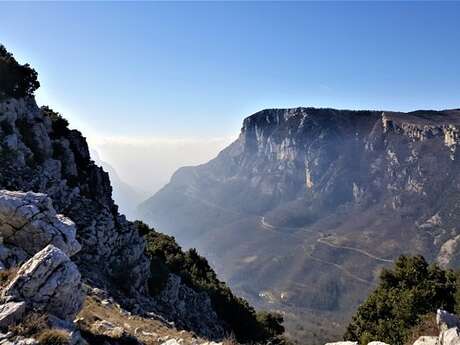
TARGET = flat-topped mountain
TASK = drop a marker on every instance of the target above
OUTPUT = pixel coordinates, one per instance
(302, 211)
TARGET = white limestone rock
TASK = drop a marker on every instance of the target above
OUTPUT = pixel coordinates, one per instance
(11, 312)
(29, 221)
(450, 337)
(50, 282)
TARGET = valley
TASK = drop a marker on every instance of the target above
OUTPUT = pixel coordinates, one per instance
(302, 212)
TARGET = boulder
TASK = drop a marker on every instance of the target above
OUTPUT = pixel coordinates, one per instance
(50, 282)
(446, 320)
(11, 312)
(450, 337)
(377, 343)
(29, 221)
(427, 340)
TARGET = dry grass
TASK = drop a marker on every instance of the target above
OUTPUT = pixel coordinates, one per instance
(32, 325)
(427, 326)
(148, 331)
(36, 326)
(54, 337)
(6, 276)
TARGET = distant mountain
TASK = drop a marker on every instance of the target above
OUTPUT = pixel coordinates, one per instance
(126, 196)
(302, 211)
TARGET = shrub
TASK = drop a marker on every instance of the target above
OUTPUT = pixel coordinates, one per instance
(407, 292)
(16, 80)
(54, 337)
(59, 123)
(7, 275)
(272, 323)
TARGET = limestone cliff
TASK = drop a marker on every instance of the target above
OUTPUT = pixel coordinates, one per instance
(307, 205)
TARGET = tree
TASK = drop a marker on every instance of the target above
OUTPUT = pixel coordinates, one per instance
(407, 292)
(16, 80)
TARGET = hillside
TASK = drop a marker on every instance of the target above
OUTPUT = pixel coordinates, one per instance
(73, 270)
(305, 208)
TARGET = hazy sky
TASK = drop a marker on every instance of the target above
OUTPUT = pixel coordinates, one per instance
(149, 73)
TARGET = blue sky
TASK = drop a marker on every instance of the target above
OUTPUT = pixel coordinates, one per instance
(196, 69)
(156, 86)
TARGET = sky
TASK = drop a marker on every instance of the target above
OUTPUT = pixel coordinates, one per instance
(153, 83)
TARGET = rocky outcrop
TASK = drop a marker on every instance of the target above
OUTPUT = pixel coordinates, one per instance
(192, 310)
(29, 221)
(11, 312)
(72, 210)
(38, 153)
(49, 282)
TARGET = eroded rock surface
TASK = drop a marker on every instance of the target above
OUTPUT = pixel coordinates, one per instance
(29, 221)
(49, 282)
(11, 312)
(38, 154)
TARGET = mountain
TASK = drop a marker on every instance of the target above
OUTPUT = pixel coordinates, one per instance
(304, 209)
(73, 270)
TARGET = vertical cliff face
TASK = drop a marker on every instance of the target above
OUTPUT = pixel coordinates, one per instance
(308, 204)
(326, 158)
(38, 154)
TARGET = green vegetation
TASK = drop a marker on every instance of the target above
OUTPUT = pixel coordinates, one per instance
(60, 124)
(406, 294)
(167, 257)
(16, 80)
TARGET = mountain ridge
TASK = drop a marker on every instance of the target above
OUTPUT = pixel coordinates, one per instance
(326, 181)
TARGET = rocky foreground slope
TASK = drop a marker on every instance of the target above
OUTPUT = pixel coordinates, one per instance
(72, 268)
(43, 291)
(303, 210)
